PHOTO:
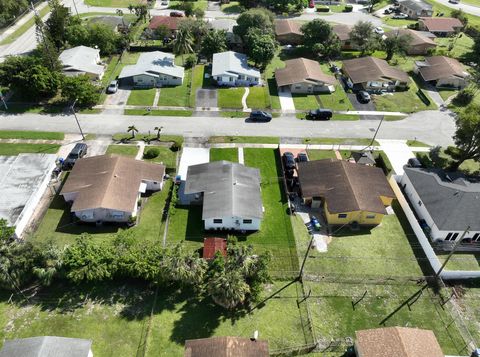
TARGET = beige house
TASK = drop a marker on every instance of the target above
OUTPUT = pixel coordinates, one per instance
(373, 74)
(226, 346)
(288, 32)
(302, 75)
(440, 26)
(421, 42)
(398, 342)
(442, 71)
(343, 34)
(106, 188)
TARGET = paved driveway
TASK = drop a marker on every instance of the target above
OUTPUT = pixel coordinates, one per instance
(370, 106)
(206, 98)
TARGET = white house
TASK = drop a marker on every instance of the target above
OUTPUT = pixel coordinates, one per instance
(231, 69)
(153, 69)
(448, 202)
(106, 188)
(82, 60)
(230, 194)
(47, 346)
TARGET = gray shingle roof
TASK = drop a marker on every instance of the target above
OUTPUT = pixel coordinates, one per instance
(153, 63)
(416, 5)
(229, 189)
(46, 346)
(232, 63)
(452, 201)
(82, 59)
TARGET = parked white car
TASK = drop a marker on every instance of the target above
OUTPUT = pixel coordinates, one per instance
(378, 30)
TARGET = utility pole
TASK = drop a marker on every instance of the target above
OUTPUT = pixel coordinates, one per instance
(75, 115)
(455, 246)
(300, 275)
(376, 131)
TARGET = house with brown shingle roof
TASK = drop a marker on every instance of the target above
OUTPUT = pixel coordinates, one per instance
(106, 188)
(442, 71)
(420, 41)
(348, 193)
(440, 26)
(398, 342)
(288, 32)
(302, 75)
(226, 347)
(343, 34)
(371, 73)
(170, 22)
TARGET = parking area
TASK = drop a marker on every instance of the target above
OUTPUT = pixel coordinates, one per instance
(357, 105)
(206, 98)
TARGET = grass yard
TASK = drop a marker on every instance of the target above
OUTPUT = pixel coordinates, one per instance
(473, 21)
(31, 135)
(335, 317)
(258, 98)
(405, 101)
(304, 101)
(389, 250)
(197, 82)
(230, 97)
(456, 47)
(198, 4)
(234, 114)
(125, 150)
(275, 234)
(114, 3)
(56, 225)
(24, 28)
(461, 261)
(166, 156)
(320, 154)
(417, 143)
(443, 160)
(160, 112)
(469, 303)
(230, 154)
(178, 96)
(339, 141)
(232, 8)
(447, 93)
(244, 139)
(268, 77)
(387, 20)
(143, 97)
(15, 149)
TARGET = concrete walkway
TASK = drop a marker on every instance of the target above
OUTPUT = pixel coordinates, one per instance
(435, 96)
(244, 100)
(286, 100)
(241, 159)
(141, 148)
(157, 97)
(398, 152)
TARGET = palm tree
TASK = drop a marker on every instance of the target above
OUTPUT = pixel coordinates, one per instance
(50, 266)
(120, 13)
(132, 129)
(183, 43)
(228, 288)
(158, 129)
(184, 267)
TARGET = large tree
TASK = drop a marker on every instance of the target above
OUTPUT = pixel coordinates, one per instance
(215, 41)
(363, 37)
(460, 14)
(396, 44)
(255, 18)
(57, 22)
(81, 89)
(319, 38)
(183, 43)
(467, 136)
(197, 30)
(261, 47)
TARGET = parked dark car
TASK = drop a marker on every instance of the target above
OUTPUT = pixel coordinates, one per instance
(176, 14)
(320, 114)
(260, 116)
(363, 96)
(288, 160)
(414, 162)
(334, 68)
(78, 151)
(302, 157)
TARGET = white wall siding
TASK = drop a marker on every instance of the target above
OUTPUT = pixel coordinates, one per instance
(103, 215)
(233, 223)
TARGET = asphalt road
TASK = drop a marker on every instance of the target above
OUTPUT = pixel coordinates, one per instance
(433, 127)
(469, 9)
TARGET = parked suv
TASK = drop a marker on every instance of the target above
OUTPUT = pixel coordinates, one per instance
(363, 96)
(78, 151)
(414, 162)
(258, 115)
(320, 114)
(288, 160)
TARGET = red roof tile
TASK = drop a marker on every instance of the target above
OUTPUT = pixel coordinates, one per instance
(168, 21)
(213, 245)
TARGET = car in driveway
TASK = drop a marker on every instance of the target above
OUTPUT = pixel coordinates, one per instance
(260, 116)
(414, 162)
(176, 14)
(400, 15)
(378, 31)
(302, 157)
(288, 161)
(320, 114)
(363, 97)
(78, 151)
(112, 87)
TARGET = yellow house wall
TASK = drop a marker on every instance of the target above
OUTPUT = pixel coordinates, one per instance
(358, 216)
(387, 201)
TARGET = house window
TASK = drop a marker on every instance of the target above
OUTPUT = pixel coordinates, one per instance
(298, 86)
(247, 221)
(476, 237)
(217, 221)
(342, 215)
(370, 216)
(449, 235)
(231, 79)
(240, 77)
(455, 235)
(155, 182)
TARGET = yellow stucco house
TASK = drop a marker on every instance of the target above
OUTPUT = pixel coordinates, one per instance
(348, 192)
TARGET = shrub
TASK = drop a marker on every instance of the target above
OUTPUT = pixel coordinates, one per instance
(323, 8)
(190, 61)
(464, 97)
(348, 8)
(151, 153)
(175, 146)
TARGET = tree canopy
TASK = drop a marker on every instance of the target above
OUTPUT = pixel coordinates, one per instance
(261, 19)
(81, 89)
(261, 47)
(396, 44)
(215, 41)
(363, 37)
(467, 136)
(319, 38)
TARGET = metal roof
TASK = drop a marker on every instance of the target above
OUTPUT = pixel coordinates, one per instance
(81, 59)
(153, 64)
(232, 64)
(229, 189)
(46, 346)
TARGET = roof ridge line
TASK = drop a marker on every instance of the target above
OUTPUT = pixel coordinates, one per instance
(351, 186)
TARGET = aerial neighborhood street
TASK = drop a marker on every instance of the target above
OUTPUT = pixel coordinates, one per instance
(240, 178)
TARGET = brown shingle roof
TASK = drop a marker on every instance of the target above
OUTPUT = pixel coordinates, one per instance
(417, 37)
(441, 24)
(301, 70)
(346, 186)
(342, 32)
(109, 181)
(226, 347)
(442, 67)
(286, 27)
(169, 21)
(398, 342)
(365, 69)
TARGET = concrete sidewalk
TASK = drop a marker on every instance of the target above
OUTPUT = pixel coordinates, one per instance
(398, 152)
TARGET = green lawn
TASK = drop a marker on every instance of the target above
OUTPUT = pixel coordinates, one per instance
(469, 302)
(230, 154)
(437, 7)
(15, 149)
(198, 4)
(31, 135)
(24, 28)
(258, 98)
(166, 157)
(320, 154)
(234, 114)
(304, 101)
(125, 150)
(197, 82)
(57, 226)
(244, 139)
(461, 261)
(232, 8)
(337, 141)
(178, 96)
(268, 77)
(334, 316)
(169, 113)
(456, 47)
(143, 97)
(114, 3)
(397, 22)
(230, 97)
(417, 143)
(444, 160)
